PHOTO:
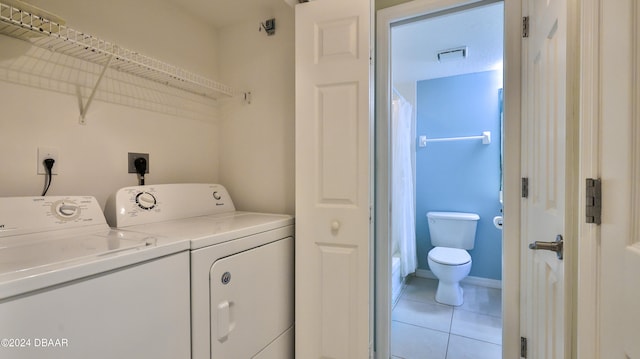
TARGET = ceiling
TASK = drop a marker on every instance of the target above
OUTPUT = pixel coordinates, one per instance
(220, 13)
(415, 45)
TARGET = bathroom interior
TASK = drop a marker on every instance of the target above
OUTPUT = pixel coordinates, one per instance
(447, 157)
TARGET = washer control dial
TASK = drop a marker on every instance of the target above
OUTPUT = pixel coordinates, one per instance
(66, 210)
(216, 195)
(146, 200)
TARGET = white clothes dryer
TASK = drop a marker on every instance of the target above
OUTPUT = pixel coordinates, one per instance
(242, 269)
(72, 288)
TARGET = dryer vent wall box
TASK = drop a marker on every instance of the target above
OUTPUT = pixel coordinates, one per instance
(226, 246)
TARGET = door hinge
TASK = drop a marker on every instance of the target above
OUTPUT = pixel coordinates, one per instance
(523, 347)
(525, 187)
(525, 26)
(593, 209)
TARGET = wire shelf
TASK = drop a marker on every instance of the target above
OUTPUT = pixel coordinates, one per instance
(59, 38)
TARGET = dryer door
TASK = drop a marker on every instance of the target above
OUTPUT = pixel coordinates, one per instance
(252, 299)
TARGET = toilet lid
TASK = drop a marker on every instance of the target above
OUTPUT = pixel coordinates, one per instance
(449, 256)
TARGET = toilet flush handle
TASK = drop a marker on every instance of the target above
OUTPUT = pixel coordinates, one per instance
(549, 246)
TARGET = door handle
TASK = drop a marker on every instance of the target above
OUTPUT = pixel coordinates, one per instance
(549, 246)
(223, 321)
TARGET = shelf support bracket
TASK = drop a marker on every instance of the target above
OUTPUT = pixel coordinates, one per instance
(84, 108)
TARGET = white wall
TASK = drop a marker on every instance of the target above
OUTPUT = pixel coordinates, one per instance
(155, 28)
(258, 139)
(38, 105)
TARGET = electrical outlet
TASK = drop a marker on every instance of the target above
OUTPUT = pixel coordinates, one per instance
(132, 157)
(43, 154)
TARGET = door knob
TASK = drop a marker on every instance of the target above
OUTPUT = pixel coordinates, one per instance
(549, 246)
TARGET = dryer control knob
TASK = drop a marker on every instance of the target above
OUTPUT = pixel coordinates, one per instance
(146, 200)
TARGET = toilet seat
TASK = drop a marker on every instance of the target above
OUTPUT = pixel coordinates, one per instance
(449, 256)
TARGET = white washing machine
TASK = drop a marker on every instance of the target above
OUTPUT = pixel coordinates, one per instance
(72, 288)
(242, 270)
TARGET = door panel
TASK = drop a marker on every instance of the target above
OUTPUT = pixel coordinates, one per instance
(251, 300)
(338, 140)
(333, 172)
(544, 153)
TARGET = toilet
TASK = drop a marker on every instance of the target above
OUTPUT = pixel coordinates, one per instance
(452, 234)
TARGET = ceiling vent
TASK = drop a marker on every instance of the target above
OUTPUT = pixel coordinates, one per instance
(459, 53)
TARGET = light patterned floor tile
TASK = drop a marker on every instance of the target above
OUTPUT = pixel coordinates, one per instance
(412, 342)
(465, 348)
(420, 290)
(477, 326)
(426, 315)
(482, 300)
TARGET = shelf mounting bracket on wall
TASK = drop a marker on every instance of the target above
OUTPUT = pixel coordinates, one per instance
(246, 97)
(84, 108)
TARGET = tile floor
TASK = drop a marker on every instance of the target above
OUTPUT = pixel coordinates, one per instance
(421, 328)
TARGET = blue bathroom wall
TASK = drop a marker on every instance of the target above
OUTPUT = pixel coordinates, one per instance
(460, 176)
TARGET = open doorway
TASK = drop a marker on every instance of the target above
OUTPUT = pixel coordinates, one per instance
(446, 78)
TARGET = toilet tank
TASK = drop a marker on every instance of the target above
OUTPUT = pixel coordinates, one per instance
(452, 229)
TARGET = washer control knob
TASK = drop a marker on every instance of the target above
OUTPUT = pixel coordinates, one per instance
(146, 200)
(67, 210)
(216, 195)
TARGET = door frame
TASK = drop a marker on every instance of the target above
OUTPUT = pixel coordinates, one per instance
(594, 43)
(587, 275)
(512, 130)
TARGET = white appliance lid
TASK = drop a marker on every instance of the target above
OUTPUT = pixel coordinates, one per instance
(33, 251)
(45, 241)
(205, 231)
(43, 259)
(449, 256)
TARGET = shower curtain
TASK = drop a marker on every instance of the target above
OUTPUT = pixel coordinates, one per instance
(403, 227)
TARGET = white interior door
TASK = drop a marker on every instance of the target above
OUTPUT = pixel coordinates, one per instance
(333, 179)
(619, 267)
(544, 154)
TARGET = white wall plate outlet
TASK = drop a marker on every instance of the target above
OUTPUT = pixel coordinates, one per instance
(48, 152)
(131, 157)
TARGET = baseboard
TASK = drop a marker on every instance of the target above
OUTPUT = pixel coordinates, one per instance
(482, 282)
